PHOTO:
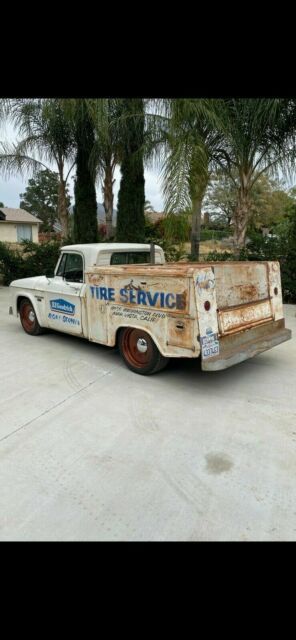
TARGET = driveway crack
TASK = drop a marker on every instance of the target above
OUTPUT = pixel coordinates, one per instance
(58, 404)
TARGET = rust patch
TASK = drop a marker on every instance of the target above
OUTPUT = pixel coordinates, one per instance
(245, 316)
(247, 291)
(180, 332)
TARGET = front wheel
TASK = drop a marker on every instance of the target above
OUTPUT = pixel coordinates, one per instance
(139, 352)
(29, 319)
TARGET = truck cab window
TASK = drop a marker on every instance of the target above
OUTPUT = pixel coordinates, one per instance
(71, 267)
(130, 257)
(138, 258)
(61, 267)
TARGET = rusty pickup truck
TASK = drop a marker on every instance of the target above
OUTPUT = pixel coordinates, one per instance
(221, 312)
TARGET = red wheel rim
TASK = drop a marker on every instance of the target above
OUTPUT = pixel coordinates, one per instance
(28, 316)
(133, 341)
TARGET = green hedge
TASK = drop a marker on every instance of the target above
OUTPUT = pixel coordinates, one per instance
(33, 260)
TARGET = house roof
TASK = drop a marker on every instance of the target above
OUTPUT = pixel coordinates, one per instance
(17, 215)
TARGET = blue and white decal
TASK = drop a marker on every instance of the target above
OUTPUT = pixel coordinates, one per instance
(63, 306)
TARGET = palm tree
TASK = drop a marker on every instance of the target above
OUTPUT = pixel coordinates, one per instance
(47, 136)
(258, 137)
(148, 206)
(190, 150)
(105, 155)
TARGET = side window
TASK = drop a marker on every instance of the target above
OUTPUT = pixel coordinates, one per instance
(71, 267)
(61, 267)
(74, 268)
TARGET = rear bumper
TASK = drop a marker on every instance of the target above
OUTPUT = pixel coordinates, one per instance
(247, 344)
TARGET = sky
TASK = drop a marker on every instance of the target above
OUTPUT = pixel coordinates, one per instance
(11, 188)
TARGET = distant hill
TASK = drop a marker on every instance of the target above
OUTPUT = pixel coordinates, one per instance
(101, 214)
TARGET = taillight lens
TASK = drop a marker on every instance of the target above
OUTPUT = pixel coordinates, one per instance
(207, 305)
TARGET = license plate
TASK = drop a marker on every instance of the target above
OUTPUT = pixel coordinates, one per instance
(209, 345)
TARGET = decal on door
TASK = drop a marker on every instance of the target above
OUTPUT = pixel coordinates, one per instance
(62, 310)
(63, 305)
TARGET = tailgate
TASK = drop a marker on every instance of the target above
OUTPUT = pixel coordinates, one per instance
(244, 295)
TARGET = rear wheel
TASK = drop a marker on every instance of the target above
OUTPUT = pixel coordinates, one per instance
(139, 352)
(29, 319)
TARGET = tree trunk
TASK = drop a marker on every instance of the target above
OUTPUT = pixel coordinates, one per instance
(197, 200)
(108, 199)
(63, 213)
(241, 219)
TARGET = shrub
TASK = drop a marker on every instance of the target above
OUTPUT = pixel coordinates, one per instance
(34, 260)
(11, 264)
(215, 256)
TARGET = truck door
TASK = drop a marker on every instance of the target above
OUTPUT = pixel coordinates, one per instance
(62, 295)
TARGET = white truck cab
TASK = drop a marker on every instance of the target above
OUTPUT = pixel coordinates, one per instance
(111, 294)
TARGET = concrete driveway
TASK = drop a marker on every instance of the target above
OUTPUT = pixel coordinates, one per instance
(91, 451)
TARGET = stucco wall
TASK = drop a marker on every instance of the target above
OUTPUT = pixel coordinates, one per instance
(8, 232)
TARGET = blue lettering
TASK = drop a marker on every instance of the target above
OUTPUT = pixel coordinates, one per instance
(103, 292)
(92, 289)
(111, 294)
(123, 295)
(132, 296)
(162, 299)
(180, 301)
(173, 304)
(152, 300)
(142, 297)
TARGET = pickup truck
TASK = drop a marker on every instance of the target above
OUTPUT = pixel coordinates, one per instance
(220, 312)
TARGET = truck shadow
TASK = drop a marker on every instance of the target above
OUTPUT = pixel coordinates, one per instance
(186, 371)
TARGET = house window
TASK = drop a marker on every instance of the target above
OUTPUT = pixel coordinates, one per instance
(24, 232)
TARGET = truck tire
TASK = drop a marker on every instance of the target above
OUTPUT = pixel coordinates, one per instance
(28, 318)
(139, 352)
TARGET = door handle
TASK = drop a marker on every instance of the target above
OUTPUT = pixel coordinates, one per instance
(72, 286)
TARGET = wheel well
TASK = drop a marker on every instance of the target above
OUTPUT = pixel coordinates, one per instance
(121, 328)
(117, 334)
(19, 300)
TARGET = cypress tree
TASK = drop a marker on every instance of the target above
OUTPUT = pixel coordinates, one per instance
(131, 197)
(85, 209)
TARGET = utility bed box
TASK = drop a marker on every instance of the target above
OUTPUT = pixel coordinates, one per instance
(224, 312)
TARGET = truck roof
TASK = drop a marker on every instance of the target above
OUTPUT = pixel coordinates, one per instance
(91, 250)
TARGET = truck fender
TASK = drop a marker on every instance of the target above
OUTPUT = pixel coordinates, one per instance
(141, 328)
(33, 299)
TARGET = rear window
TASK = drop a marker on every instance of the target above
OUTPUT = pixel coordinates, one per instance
(130, 257)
